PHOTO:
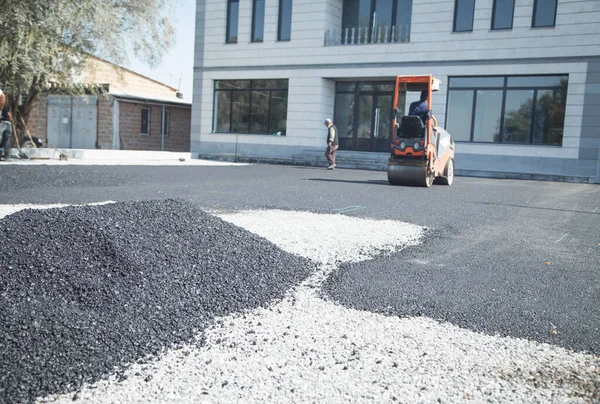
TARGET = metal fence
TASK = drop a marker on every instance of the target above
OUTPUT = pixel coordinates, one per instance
(367, 35)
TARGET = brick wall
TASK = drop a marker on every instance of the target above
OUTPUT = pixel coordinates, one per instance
(105, 122)
(124, 81)
(37, 124)
(130, 123)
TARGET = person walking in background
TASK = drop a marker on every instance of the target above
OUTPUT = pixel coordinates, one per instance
(5, 127)
(333, 143)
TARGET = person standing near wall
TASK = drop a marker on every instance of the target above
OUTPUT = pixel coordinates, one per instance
(5, 127)
(333, 143)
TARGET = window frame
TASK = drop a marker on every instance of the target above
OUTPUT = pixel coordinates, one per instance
(166, 119)
(535, 4)
(253, 31)
(228, 26)
(504, 90)
(512, 18)
(455, 19)
(394, 19)
(250, 90)
(149, 109)
(280, 18)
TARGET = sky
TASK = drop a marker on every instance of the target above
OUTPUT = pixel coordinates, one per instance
(178, 63)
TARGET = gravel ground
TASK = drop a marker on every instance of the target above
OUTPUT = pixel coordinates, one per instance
(86, 291)
(18, 177)
(487, 279)
(309, 349)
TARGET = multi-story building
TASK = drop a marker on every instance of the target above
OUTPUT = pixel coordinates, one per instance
(520, 88)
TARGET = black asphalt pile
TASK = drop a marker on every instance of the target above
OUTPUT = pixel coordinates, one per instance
(86, 291)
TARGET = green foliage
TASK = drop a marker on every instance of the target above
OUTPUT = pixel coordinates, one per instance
(48, 40)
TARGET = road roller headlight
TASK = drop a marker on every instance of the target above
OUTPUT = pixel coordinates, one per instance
(416, 146)
(402, 145)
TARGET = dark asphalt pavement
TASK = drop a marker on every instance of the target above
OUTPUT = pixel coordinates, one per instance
(516, 258)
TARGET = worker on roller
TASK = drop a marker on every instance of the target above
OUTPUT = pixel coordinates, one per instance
(421, 108)
(5, 127)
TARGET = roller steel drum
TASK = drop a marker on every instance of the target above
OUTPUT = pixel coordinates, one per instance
(415, 175)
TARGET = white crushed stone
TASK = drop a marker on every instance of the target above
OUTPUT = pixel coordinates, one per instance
(306, 349)
(327, 239)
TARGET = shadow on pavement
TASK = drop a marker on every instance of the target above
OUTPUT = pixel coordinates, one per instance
(373, 182)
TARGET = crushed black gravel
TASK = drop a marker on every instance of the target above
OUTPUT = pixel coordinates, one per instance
(85, 291)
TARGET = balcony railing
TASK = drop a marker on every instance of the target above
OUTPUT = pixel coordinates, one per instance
(367, 35)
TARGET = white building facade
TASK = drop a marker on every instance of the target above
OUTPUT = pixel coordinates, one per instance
(520, 88)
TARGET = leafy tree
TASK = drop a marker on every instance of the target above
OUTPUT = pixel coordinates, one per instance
(48, 40)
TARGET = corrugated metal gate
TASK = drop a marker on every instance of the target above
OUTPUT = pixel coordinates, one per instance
(72, 121)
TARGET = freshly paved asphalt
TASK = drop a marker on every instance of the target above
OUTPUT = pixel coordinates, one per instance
(515, 258)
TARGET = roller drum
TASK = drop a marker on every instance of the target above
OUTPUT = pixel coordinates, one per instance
(409, 175)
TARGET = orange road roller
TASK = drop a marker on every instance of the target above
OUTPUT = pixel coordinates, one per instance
(421, 152)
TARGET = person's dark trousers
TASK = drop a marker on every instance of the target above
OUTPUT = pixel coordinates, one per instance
(330, 154)
(5, 138)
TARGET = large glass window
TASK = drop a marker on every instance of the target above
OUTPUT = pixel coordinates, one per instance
(488, 110)
(376, 21)
(284, 32)
(145, 130)
(233, 9)
(258, 20)
(517, 116)
(544, 13)
(166, 122)
(363, 115)
(502, 16)
(514, 109)
(464, 11)
(549, 116)
(344, 118)
(403, 19)
(460, 114)
(250, 106)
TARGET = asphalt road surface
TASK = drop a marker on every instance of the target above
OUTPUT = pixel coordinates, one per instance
(514, 258)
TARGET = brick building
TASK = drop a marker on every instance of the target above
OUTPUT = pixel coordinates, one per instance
(136, 113)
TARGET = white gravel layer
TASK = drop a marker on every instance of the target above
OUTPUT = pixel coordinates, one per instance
(306, 349)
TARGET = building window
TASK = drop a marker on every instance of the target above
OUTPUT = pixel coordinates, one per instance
(166, 123)
(375, 21)
(284, 32)
(544, 13)
(251, 106)
(258, 20)
(502, 15)
(145, 130)
(464, 11)
(507, 109)
(363, 115)
(233, 10)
